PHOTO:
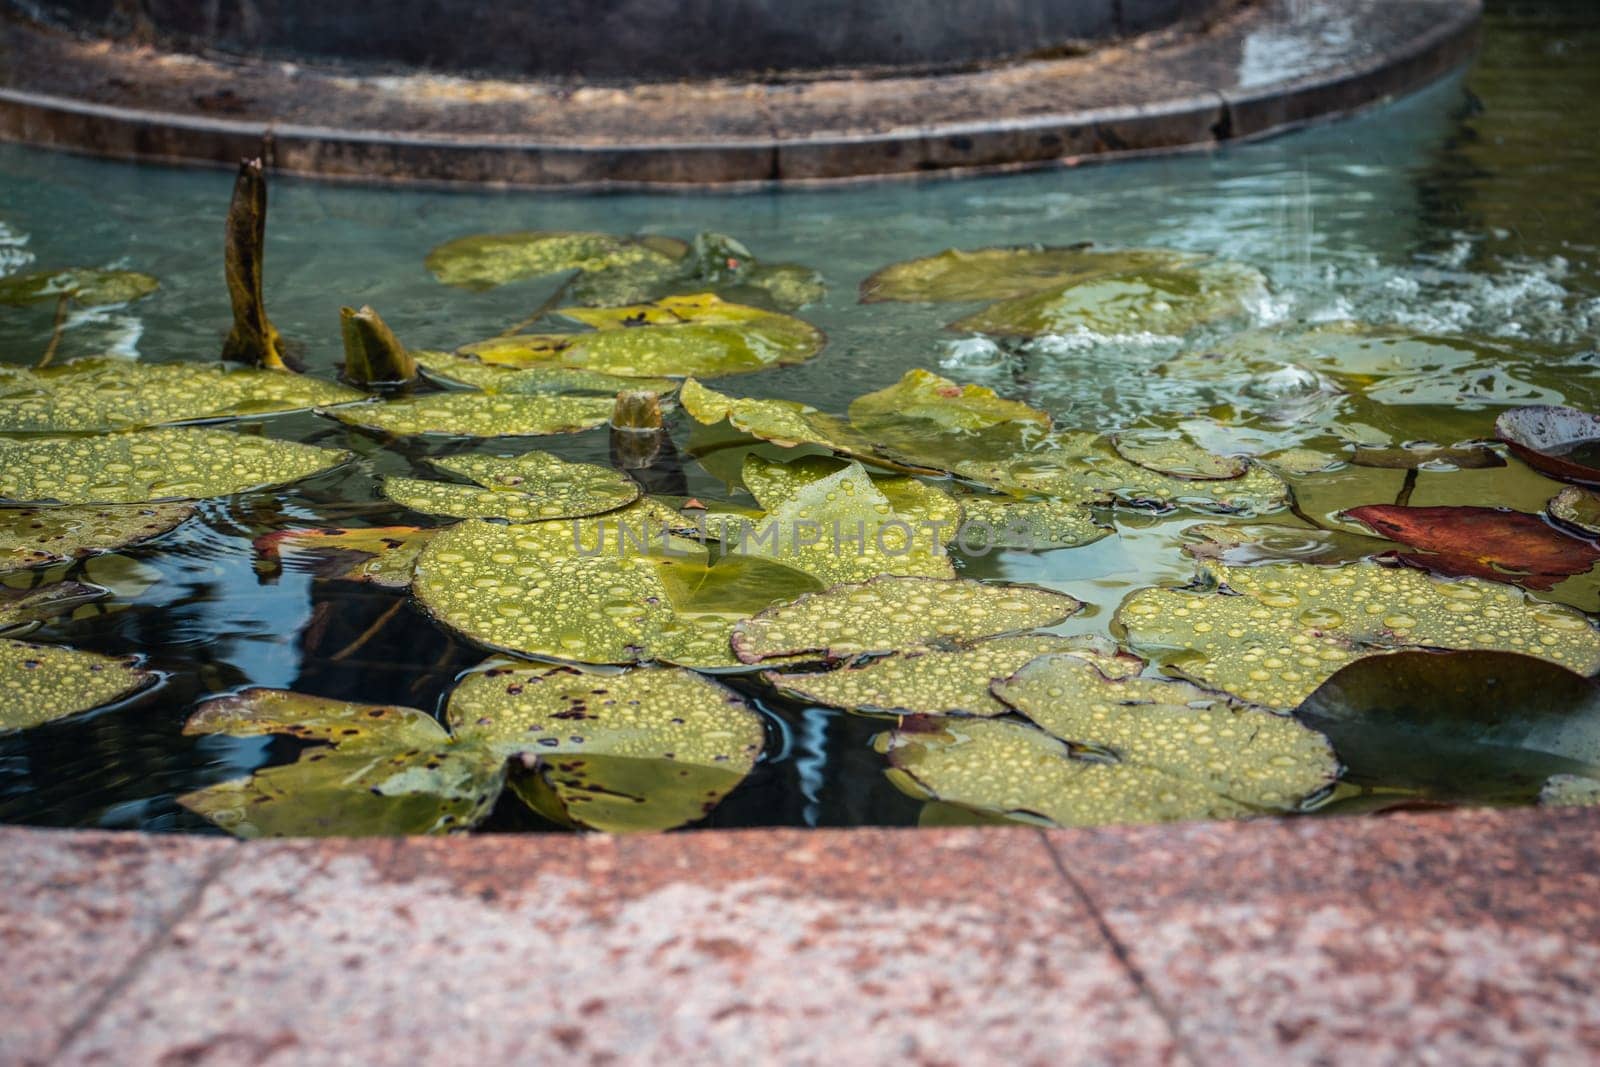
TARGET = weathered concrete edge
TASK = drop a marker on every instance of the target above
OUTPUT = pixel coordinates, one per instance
(1195, 122)
(1471, 936)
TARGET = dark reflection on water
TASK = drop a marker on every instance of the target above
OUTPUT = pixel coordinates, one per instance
(1471, 207)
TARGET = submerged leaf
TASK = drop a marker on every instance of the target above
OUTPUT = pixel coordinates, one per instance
(152, 465)
(1248, 544)
(895, 615)
(483, 261)
(84, 286)
(1488, 726)
(1561, 442)
(647, 749)
(480, 414)
(532, 487)
(100, 394)
(1493, 543)
(42, 683)
(1246, 754)
(698, 334)
(1577, 508)
(36, 537)
(1570, 791)
(37, 603)
(1272, 634)
(380, 555)
(1428, 457)
(938, 681)
(1005, 273)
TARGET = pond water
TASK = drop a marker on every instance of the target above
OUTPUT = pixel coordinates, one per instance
(1468, 210)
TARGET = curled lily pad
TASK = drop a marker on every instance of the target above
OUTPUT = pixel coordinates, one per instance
(1272, 634)
(36, 537)
(532, 487)
(1006, 273)
(1493, 543)
(1490, 726)
(373, 355)
(939, 681)
(484, 261)
(896, 614)
(610, 589)
(647, 749)
(451, 369)
(480, 414)
(380, 555)
(1570, 791)
(95, 395)
(1246, 754)
(84, 286)
(253, 339)
(371, 770)
(1561, 442)
(699, 334)
(152, 465)
(1576, 508)
(42, 683)
(1007, 767)
(1168, 454)
(1428, 457)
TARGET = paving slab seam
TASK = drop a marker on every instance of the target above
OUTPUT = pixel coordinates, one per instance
(1123, 956)
(152, 947)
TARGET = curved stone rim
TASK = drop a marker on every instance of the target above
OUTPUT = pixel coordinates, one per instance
(1152, 96)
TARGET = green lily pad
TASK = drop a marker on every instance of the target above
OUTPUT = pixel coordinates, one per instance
(377, 770)
(451, 369)
(1247, 544)
(1170, 454)
(647, 749)
(698, 334)
(480, 414)
(1247, 754)
(715, 262)
(84, 286)
(991, 522)
(1286, 628)
(896, 614)
(1576, 508)
(43, 683)
(1482, 726)
(101, 394)
(22, 606)
(152, 465)
(484, 261)
(616, 588)
(380, 555)
(532, 487)
(1006, 273)
(939, 681)
(1002, 766)
(37, 537)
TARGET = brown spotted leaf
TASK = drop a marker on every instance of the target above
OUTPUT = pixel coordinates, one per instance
(1506, 546)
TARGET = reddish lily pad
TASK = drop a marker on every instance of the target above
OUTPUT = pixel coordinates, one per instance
(1561, 442)
(1493, 543)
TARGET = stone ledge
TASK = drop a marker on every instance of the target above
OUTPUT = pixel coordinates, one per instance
(1269, 67)
(1466, 937)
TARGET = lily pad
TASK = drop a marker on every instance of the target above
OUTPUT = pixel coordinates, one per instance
(991, 521)
(1249, 544)
(939, 681)
(43, 683)
(714, 262)
(484, 261)
(1169, 454)
(101, 394)
(1246, 754)
(1493, 543)
(152, 465)
(452, 369)
(1007, 767)
(1486, 726)
(379, 555)
(647, 749)
(532, 487)
(1006, 273)
(895, 614)
(1561, 442)
(480, 414)
(1576, 508)
(1414, 457)
(698, 334)
(1272, 634)
(21, 607)
(370, 770)
(84, 286)
(37, 537)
